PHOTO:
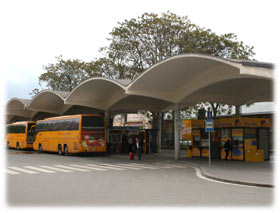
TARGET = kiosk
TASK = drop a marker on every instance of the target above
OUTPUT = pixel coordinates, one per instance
(197, 141)
(249, 138)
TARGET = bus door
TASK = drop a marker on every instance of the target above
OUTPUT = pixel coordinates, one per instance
(30, 133)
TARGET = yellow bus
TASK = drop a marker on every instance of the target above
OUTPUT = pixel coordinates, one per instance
(70, 134)
(20, 135)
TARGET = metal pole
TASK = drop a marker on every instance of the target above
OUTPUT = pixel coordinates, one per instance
(209, 135)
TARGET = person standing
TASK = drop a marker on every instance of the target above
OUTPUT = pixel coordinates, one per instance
(227, 148)
(139, 145)
(130, 142)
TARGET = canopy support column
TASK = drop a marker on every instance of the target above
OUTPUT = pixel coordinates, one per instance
(238, 111)
(107, 120)
(177, 127)
(159, 131)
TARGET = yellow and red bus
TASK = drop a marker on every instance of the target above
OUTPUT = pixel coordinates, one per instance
(20, 135)
(71, 134)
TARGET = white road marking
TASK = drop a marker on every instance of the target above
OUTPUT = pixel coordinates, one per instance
(90, 167)
(172, 166)
(12, 172)
(39, 169)
(122, 166)
(22, 170)
(72, 168)
(105, 167)
(142, 166)
(56, 169)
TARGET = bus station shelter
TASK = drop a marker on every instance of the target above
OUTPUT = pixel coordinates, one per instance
(175, 83)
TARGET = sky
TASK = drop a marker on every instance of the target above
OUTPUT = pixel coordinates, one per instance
(35, 32)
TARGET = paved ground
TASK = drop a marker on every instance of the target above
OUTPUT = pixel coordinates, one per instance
(251, 172)
(46, 179)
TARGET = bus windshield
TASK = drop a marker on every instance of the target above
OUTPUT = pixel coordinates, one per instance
(92, 122)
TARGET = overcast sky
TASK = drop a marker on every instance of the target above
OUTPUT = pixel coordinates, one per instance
(37, 31)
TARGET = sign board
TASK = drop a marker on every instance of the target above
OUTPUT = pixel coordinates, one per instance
(209, 125)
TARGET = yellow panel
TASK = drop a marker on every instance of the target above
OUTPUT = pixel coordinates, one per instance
(189, 152)
(187, 129)
(254, 155)
(205, 152)
(197, 124)
(196, 132)
(227, 122)
(195, 152)
(217, 124)
(250, 144)
(237, 132)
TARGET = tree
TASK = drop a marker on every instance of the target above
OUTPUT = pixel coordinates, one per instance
(137, 44)
(34, 92)
(65, 75)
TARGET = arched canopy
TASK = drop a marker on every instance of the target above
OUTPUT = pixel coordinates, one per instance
(134, 103)
(236, 92)
(183, 79)
(99, 93)
(191, 78)
(49, 101)
(17, 107)
(75, 109)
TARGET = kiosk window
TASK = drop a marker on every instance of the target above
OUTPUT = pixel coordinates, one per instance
(226, 133)
(196, 140)
(250, 133)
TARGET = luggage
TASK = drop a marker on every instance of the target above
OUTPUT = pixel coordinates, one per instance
(131, 156)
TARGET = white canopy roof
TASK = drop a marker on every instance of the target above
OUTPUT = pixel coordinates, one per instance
(185, 79)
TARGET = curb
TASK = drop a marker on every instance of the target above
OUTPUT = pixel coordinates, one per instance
(205, 174)
(210, 176)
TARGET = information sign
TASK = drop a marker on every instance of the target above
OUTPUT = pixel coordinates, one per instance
(209, 125)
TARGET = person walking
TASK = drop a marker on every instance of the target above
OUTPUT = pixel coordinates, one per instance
(227, 148)
(139, 145)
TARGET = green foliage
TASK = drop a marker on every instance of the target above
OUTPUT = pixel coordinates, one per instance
(34, 92)
(139, 43)
(65, 75)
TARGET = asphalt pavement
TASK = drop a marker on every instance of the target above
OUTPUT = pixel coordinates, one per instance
(250, 173)
(46, 179)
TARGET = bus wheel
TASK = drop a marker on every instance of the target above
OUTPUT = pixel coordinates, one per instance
(40, 148)
(18, 148)
(59, 150)
(66, 152)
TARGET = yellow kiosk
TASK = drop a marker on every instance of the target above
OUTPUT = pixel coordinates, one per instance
(248, 137)
(197, 140)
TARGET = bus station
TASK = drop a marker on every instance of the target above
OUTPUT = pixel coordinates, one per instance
(173, 84)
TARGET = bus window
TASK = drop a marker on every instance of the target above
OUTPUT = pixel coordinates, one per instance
(16, 129)
(92, 122)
